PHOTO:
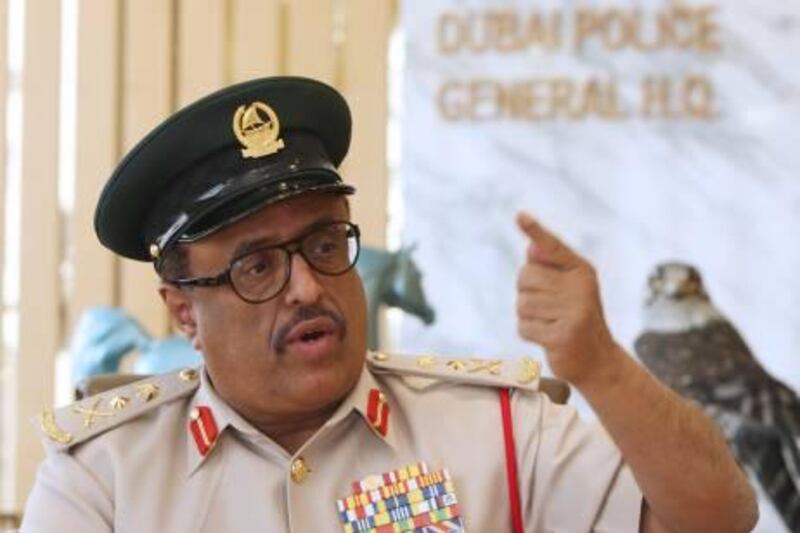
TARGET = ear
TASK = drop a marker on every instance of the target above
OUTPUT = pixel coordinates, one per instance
(181, 310)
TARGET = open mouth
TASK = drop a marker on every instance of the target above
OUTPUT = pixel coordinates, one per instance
(312, 336)
(312, 333)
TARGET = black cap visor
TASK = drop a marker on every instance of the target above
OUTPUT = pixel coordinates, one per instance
(224, 189)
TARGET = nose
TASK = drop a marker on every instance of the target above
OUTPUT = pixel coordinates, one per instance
(303, 287)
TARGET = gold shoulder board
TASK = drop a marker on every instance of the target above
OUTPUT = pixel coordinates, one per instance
(520, 373)
(91, 416)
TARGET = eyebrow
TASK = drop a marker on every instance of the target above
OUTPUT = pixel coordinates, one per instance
(248, 246)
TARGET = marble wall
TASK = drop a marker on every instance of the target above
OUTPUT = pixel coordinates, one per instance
(635, 146)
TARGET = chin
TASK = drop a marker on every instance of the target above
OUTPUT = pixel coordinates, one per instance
(320, 392)
(338, 375)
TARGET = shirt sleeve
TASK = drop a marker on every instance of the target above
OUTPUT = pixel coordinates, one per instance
(67, 498)
(572, 477)
(622, 508)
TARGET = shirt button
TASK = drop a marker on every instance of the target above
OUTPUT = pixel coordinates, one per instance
(300, 470)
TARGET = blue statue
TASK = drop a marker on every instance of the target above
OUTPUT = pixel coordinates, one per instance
(104, 335)
(391, 278)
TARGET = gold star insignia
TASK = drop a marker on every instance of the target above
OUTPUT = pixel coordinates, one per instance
(456, 364)
(380, 356)
(119, 402)
(529, 371)
(188, 374)
(426, 361)
(147, 391)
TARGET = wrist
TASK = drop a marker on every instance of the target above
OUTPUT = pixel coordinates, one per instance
(612, 367)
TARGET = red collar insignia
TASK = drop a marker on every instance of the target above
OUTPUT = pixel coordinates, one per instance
(203, 428)
(378, 411)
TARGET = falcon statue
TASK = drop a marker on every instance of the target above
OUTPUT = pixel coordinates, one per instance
(691, 347)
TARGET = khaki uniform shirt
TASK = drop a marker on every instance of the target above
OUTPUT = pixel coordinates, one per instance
(134, 465)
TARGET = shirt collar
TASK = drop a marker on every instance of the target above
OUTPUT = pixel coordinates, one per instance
(368, 399)
(224, 416)
(373, 406)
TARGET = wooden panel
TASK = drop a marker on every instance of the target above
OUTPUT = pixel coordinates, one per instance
(255, 39)
(3, 99)
(40, 332)
(310, 51)
(97, 151)
(368, 25)
(7, 391)
(148, 98)
(201, 48)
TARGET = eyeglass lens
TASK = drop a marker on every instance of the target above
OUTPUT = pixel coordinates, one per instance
(262, 273)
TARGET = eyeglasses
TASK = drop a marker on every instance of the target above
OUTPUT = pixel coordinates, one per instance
(261, 274)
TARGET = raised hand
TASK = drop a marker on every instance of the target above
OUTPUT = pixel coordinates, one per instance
(558, 305)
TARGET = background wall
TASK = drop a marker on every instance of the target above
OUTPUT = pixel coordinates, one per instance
(636, 144)
(638, 130)
(81, 82)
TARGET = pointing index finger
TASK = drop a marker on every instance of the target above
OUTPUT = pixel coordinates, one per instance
(546, 248)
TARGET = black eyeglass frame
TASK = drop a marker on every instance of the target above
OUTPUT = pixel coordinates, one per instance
(291, 247)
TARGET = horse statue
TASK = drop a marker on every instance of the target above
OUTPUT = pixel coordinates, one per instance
(105, 335)
(391, 278)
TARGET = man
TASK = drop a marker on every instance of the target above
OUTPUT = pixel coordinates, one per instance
(237, 201)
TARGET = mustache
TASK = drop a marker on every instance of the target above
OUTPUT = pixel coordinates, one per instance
(308, 312)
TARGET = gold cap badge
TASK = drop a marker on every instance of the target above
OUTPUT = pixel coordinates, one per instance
(257, 127)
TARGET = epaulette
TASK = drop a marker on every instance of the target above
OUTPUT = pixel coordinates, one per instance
(523, 373)
(91, 416)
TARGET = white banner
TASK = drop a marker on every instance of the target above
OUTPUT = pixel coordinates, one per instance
(640, 131)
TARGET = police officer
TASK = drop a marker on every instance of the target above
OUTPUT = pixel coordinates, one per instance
(291, 425)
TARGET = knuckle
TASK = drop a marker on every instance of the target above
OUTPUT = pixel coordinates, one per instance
(529, 329)
(523, 277)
